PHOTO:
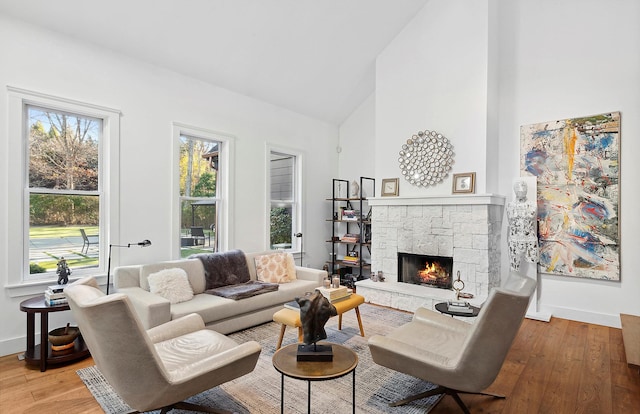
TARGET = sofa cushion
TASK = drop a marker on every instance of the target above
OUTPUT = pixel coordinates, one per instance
(172, 284)
(275, 268)
(215, 308)
(193, 267)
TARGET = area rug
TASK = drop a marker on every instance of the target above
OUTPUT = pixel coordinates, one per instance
(259, 391)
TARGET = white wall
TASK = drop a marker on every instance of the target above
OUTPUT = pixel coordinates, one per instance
(569, 59)
(433, 76)
(151, 99)
(547, 60)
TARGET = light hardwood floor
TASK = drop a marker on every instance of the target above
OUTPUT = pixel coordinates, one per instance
(553, 368)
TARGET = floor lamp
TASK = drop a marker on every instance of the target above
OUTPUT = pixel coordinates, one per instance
(144, 243)
(300, 236)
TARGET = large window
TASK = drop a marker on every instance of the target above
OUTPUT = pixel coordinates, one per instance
(65, 148)
(199, 165)
(284, 214)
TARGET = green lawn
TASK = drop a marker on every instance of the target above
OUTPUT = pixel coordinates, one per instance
(75, 257)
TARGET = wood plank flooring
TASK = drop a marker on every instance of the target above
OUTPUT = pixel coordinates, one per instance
(557, 367)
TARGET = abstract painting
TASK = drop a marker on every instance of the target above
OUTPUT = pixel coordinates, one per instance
(576, 162)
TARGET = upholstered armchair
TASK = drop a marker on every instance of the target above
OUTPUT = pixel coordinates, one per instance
(158, 368)
(457, 356)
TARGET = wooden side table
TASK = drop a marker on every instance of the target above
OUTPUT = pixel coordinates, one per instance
(344, 362)
(42, 354)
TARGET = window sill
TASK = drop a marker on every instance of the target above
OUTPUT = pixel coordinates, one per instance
(39, 287)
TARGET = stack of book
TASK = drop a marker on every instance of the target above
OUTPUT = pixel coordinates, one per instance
(350, 238)
(459, 306)
(54, 295)
(351, 260)
(335, 294)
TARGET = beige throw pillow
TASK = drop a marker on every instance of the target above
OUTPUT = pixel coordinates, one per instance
(172, 284)
(275, 268)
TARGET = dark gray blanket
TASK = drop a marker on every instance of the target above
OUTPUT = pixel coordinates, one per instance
(243, 290)
(224, 269)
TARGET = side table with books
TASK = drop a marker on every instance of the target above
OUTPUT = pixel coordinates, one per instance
(457, 308)
(42, 354)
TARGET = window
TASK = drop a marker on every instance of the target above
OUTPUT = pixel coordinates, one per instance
(284, 212)
(202, 162)
(65, 148)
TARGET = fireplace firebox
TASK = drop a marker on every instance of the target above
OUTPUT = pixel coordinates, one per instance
(425, 270)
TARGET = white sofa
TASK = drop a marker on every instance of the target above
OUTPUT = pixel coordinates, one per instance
(220, 314)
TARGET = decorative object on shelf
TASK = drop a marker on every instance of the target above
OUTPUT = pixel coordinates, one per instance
(144, 243)
(458, 285)
(464, 183)
(380, 276)
(63, 272)
(63, 338)
(426, 158)
(355, 189)
(577, 165)
(389, 187)
(522, 234)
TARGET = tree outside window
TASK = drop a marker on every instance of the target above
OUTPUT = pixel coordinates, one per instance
(64, 188)
(199, 168)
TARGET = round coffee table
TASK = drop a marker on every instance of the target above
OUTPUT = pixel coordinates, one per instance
(286, 363)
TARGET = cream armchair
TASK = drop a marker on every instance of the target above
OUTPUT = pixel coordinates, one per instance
(160, 367)
(457, 356)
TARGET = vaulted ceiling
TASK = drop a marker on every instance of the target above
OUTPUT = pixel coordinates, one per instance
(314, 57)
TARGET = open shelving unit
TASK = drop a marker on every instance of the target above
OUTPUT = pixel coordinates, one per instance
(351, 230)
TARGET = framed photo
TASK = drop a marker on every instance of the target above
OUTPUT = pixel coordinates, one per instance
(389, 187)
(464, 182)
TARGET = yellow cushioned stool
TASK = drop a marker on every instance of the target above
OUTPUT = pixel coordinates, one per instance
(289, 317)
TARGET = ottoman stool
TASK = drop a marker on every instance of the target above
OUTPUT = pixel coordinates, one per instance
(287, 317)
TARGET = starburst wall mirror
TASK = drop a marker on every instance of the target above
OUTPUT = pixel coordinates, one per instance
(426, 158)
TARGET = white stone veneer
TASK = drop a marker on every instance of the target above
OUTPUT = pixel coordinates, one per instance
(466, 228)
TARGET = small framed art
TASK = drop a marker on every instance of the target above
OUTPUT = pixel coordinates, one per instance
(389, 187)
(464, 182)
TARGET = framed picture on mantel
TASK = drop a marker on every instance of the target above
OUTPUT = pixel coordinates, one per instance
(464, 183)
(389, 187)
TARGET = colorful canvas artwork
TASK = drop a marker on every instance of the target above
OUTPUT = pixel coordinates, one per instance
(576, 162)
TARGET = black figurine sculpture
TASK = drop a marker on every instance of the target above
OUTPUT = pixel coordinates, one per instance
(63, 272)
(315, 311)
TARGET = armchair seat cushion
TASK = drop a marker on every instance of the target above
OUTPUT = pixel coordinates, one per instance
(178, 354)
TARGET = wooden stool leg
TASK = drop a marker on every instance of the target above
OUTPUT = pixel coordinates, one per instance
(340, 322)
(282, 329)
(300, 334)
(359, 321)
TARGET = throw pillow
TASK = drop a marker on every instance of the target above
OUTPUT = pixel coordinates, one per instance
(275, 268)
(172, 284)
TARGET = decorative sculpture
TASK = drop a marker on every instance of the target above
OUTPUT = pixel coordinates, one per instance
(355, 189)
(522, 236)
(63, 272)
(315, 311)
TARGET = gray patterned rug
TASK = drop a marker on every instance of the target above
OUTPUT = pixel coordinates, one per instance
(259, 391)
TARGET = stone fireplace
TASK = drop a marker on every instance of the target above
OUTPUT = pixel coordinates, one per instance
(465, 228)
(425, 270)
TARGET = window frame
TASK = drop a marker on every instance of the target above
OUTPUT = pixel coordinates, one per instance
(224, 182)
(19, 281)
(297, 207)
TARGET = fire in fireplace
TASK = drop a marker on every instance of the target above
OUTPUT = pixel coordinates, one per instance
(425, 270)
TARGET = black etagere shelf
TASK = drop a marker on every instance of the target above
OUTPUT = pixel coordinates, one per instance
(351, 230)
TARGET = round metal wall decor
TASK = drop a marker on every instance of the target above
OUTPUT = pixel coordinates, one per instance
(426, 158)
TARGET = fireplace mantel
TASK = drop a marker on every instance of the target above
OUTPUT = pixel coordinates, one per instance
(471, 199)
